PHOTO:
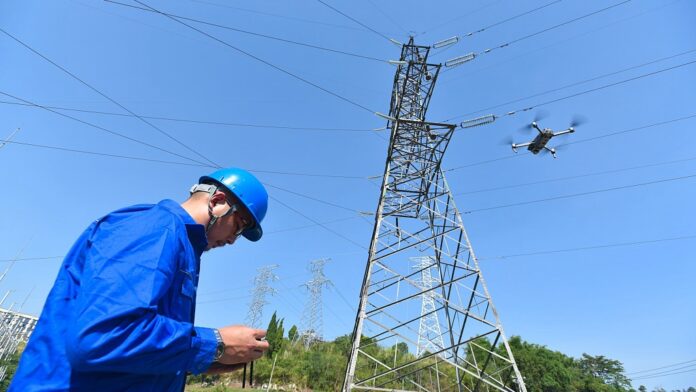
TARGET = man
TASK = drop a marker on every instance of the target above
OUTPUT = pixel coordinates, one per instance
(120, 314)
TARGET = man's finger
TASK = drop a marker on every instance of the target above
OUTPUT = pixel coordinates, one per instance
(259, 333)
(262, 345)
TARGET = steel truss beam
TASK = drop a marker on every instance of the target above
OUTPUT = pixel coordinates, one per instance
(436, 318)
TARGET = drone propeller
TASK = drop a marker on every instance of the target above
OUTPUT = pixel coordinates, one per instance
(540, 115)
(507, 141)
(578, 120)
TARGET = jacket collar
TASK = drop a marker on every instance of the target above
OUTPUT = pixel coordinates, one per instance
(195, 231)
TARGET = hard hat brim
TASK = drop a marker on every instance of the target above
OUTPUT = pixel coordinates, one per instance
(253, 234)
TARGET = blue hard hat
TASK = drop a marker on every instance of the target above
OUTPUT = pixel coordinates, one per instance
(248, 189)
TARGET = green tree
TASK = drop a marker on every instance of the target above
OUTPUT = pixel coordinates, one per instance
(274, 335)
(292, 333)
(610, 371)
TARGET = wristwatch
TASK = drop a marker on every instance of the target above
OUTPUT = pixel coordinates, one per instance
(220, 349)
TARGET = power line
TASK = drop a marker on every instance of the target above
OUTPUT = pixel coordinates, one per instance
(193, 121)
(431, 29)
(100, 127)
(528, 108)
(663, 374)
(313, 198)
(662, 367)
(614, 245)
(257, 34)
(276, 15)
(103, 154)
(65, 149)
(469, 34)
(593, 30)
(581, 194)
(388, 17)
(312, 225)
(106, 96)
(33, 258)
(506, 44)
(580, 82)
(627, 130)
(576, 176)
(356, 21)
(262, 60)
(334, 232)
(639, 128)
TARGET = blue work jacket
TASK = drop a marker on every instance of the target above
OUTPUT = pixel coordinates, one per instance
(120, 314)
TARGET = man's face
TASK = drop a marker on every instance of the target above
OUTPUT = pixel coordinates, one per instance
(228, 228)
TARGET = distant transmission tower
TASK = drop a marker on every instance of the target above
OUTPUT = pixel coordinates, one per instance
(262, 287)
(429, 334)
(312, 319)
(416, 217)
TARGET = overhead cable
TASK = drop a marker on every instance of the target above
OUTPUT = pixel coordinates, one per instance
(158, 129)
(579, 83)
(507, 44)
(666, 373)
(356, 21)
(575, 176)
(388, 17)
(292, 18)
(194, 121)
(312, 198)
(278, 68)
(613, 245)
(254, 33)
(320, 224)
(105, 154)
(634, 129)
(528, 108)
(517, 204)
(481, 30)
(661, 367)
(99, 127)
(285, 173)
(593, 30)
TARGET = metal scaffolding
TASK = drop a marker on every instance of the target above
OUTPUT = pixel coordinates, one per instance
(416, 217)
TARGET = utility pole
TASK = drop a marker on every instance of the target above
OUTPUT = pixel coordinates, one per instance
(416, 217)
(312, 319)
(262, 288)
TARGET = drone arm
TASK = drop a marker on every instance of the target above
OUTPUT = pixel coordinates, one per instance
(551, 150)
(567, 131)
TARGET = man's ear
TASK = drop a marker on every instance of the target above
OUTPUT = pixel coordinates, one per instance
(218, 198)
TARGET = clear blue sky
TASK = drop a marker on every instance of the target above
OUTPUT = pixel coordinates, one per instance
(634, 303)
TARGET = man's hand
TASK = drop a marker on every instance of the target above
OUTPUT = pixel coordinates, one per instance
(242, 344)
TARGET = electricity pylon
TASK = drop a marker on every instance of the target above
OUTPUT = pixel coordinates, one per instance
(416, 217)
(312, 319)
(262, 287)
(429, 334)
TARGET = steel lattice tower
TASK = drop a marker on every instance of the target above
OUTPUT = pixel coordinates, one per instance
(416, 217)
(312, 320)
(429, 334)
(262, 287)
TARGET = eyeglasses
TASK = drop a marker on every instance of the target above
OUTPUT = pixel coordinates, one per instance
(245, 223)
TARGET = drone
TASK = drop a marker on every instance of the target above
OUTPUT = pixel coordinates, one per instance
(545, 134)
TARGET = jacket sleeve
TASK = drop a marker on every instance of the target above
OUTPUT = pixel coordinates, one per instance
(116, 327)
